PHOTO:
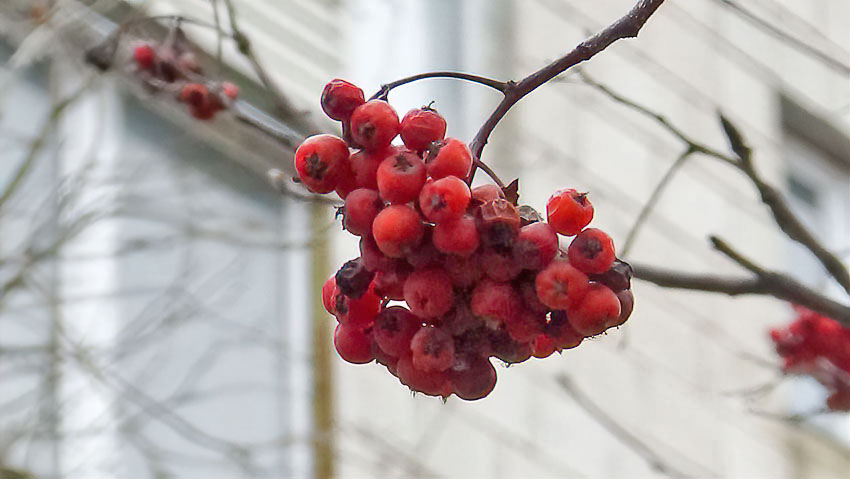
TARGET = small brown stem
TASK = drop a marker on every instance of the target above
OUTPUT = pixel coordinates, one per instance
(386, 88)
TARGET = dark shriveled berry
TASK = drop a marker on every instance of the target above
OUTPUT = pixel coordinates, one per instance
(353, 278)
(618, 277)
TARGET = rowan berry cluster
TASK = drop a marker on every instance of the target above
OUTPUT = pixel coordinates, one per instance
(169, 67)
(820, 347)
(479, 276)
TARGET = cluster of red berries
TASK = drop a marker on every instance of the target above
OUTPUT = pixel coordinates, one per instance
(178, 69)
(820, 347)
(480, 276)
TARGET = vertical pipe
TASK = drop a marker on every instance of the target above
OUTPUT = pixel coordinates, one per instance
(323, 411)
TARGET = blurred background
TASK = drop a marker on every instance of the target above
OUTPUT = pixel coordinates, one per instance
(159, 312)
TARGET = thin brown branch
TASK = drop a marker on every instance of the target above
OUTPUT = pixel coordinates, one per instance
(778, 285)
(653, 200)
(633, 441)
(662, 120)
(494, 84)
(784, 37)
(725, 248)
(784, 217)
(627, 26)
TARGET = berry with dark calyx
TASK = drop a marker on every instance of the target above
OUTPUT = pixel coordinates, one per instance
(397, 229)
(145, 56)
(420, 127)
(562, 332)
(528, 215)
(459, 237)
(560, 285)
(569, 211)
(536, 246)
(433, 349)
(353, 344)
(473, 376)
(592, 251)
(340, 98)
(495, 302)
(318, 160)
(434, 383)
(353, 279)
(374, 124)
(364, 166)
(484, 193)
(429, 293)
(426, 254)
(445, 199)
(361, 207)
(618, 277)
(448, 157)
(393, 329)
(498, 222)
(400, 176)
(599, 308)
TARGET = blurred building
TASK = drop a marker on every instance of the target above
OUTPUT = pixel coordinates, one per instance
(176, 334)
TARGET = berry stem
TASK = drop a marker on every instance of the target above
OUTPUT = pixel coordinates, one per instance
(386, 88)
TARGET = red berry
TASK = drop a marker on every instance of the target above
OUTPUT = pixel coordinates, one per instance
(458, 237)
(542, 346)
(195, 94)
(420, 127)
(374, 124)
(536, 246)
(230, 90)
(145, 56)
(435, 383)
(459, 320)
(464, 271)
(426, 254)
(364, 166)
(373, 258)
(353, 344)
(318, 160)
(361, 311)
(592, 251)
(495, 302)
(400, 176)
(328, 294)
(525, 326)
(473, 377)
(361, 208)
(340, 98)
(433, 349)
(397, 229)
(449, 157)
(599, 308)
(562, 332)
(429, 293)
(560, 285)
(568, 211)
(445, 199)
(394, 328)
(389, 283)
(627, 305)
(499, 267)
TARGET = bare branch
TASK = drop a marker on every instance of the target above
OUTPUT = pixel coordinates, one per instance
(774, 284)
(627, 26)
(494, 84)
(634, 442)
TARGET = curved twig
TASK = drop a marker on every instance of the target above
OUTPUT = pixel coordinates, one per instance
(494, 84)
